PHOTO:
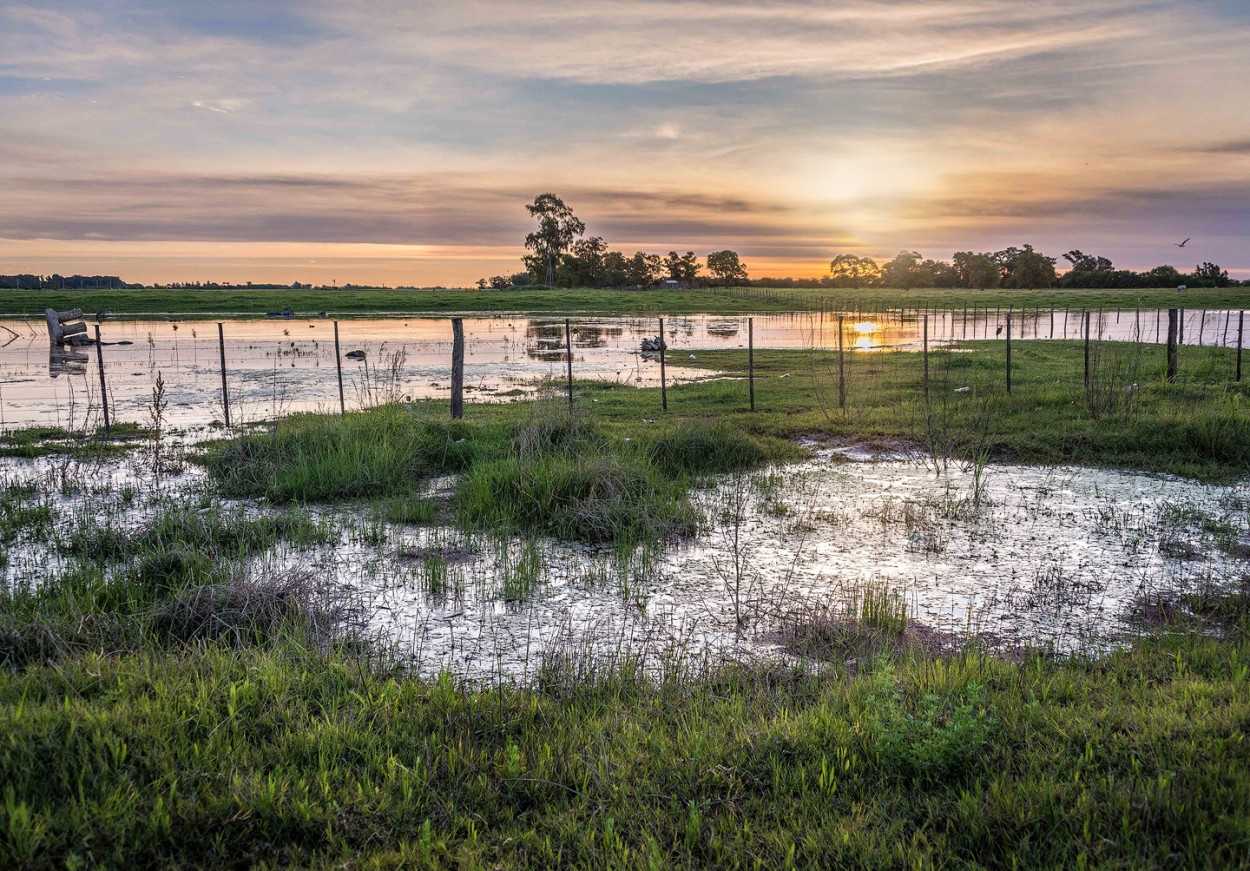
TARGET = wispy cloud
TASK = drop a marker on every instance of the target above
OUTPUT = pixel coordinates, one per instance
(787, 129)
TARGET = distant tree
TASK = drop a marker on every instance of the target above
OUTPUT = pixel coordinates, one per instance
(978, 271)
(726, 267)
(615, 269)
(519, 279)
(1082, 262)
(1210, 273)
(682, 267)
(850, 270)
(481, 284)
(583, 265)
(557, 228)
(1163, 276)
(1024, 267)
(1032, 270)
(906, 271)
(644, 270)
(499, 282)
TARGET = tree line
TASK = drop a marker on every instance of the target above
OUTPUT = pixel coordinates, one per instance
(1012, 267)
(561, 255)
(27, 281)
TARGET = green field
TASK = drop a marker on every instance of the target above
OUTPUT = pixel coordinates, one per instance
(156, 302)
(159, 712)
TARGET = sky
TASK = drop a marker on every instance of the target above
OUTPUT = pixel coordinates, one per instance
(389, 142)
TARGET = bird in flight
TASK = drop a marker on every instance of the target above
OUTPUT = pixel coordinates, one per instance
(1182, 244)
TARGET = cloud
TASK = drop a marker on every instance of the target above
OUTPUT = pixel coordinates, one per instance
(783, 127)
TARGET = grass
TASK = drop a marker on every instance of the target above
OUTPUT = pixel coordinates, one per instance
(118, 582)
(214, 754)
(312, 458)
(162, 706)
(547, 473)
(44, 441)
(362, 302)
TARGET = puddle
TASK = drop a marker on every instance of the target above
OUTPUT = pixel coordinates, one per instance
(1049, 556)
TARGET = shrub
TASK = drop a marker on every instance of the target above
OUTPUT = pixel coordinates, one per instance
(594, 499)
(698, 448)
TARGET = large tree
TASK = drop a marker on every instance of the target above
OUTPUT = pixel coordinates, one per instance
(726, 267)
(644, 270)
(583, 265)
(907, 270)
(850, 270)
(978, 271)
(682, 267)
(1082, 262)
(557, 228)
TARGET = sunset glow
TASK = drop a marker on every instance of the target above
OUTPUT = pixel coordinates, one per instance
(397, 142)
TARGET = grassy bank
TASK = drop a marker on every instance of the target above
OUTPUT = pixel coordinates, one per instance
(1129, 417)
(362, 302)
(274, 755)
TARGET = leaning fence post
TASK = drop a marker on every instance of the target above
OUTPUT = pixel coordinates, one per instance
(104, 393)
(1173, 338)
(1009, 353)
(1241, 323)
(338, 365)
(457, 368)
(926, 356)
(225, 393)
(663, 378)
(568, 350)
(750, 359)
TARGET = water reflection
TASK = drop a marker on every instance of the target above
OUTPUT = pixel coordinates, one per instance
(289, 365)
(66, 361)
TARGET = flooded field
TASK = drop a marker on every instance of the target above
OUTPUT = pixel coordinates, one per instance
(279, 366)
(1010, 555)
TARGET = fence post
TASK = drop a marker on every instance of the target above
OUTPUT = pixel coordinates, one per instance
(338, 366)
(1008, 353)
(750, 358)
(457, 368)
(1086, 348)
(1241, 323)
(568, 348)
(663, 377)
(104, 392)
(1173, 338)
(926, 356)
(841, 365)
(225, 393)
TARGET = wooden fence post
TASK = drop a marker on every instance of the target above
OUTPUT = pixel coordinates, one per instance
(663, 376)
(225, 393)
(751, 359)
(1008, 353)
(926, 356)
(841, 365)
(104, 392)
(568, 348)
(1086, 348)
(1173, 339)
(338, 366)
(457, 368)
(1241, 323)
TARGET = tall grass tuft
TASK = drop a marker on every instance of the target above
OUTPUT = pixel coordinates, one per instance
(309, 458)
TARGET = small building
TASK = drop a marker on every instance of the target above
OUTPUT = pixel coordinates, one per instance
(671, 283)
